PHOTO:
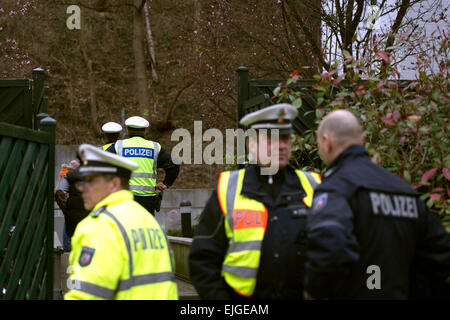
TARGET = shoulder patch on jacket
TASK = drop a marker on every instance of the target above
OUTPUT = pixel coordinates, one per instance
(320, 202)
(86, 256)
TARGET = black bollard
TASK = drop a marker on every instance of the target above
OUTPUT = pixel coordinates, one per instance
(185, 211)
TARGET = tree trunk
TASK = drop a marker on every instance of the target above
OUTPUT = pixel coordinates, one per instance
(197, 12)
(139, 58)
(91, 77)
(151, 47)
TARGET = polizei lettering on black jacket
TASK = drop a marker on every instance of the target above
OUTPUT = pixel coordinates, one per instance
(394, 205)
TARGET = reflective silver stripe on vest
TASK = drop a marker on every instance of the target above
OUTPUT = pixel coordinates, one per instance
(143, 175)
(93, 289)
(155, 158)
(145, 279)
(125, 238)
(231, 195)
(244, 246)
(120, 147)
(311, 180)
(142, 188)
(243, 272)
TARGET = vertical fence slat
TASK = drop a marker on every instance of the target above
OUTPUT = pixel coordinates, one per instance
(34, 251)
(24, 212)
(5, 151)
(9, 176)
(28, 239)
(38, 279)
(49, 125)
(16, 194)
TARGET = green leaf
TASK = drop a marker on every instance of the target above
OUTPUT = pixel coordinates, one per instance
(436, 94)
(276, 91)
(321, 88)
(297, 103)
(318, 114)
(407, 176)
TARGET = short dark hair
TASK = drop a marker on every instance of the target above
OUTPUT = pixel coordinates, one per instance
(112, 136)
(124, 179)
(136, 132)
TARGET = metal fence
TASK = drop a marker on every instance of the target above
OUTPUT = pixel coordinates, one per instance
(26, 190)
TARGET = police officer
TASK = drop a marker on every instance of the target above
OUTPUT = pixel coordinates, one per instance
(249, 241)
(111, 130)
(367, 226)
(119, 251)
(70, 201)
(150, 156)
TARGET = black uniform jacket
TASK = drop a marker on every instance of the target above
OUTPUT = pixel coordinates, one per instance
(164, 162)
(366, 230)
(75, 205)
(280, 271)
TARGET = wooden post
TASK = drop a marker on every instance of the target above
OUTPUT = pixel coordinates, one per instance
(242, 90)
(38, 90)
(48, 124)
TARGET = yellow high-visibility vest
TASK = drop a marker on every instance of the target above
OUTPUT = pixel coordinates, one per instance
(145, 153)
(120, 252)
(245, 226)
(106, 146)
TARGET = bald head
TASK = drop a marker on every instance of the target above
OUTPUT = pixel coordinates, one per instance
(343, 126)
(337, 131)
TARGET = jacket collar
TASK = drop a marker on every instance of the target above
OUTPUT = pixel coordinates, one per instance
(114, 198)
(349, 153)
(252, 185)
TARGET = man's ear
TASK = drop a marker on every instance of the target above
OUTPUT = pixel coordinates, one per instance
(328, 143)
(117, 184)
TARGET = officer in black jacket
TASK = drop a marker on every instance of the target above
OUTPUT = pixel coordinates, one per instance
(269, 229)
(72, 206)
(367, 227)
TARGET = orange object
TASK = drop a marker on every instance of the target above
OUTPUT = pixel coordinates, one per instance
(63, 172)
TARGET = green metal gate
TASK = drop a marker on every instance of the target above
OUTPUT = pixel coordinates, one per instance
(255, 94)
(26, 196)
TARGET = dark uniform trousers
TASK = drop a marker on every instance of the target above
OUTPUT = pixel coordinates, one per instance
(370, 236)
(280, 273)
(150, 203)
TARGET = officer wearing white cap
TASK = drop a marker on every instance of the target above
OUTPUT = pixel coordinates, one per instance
(150, 156)
(119, 251)
(278, 116)
(249, 241)
(111, 131)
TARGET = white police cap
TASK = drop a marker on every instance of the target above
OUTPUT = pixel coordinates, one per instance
(136, 122)
(96, 161)
(111, 127)
(278, 116)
